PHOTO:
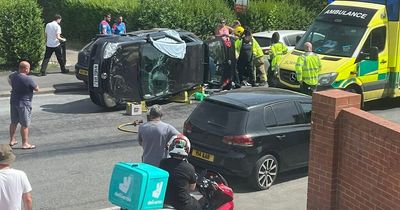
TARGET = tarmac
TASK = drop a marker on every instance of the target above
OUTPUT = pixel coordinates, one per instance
(55, 81)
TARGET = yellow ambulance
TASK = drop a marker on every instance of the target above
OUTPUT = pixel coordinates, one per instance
(358, 43)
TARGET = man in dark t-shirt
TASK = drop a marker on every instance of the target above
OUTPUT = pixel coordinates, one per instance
(182, 176)
(21, 103)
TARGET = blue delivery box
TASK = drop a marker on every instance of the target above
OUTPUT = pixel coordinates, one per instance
(135, 186)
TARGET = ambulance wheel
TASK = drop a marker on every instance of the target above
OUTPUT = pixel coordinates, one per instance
(264, 172)
(356, 89)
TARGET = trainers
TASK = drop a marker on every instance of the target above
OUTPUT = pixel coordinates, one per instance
(65, 71)
(264, 84)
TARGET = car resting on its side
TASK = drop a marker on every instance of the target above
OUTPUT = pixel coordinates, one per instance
(152, 65)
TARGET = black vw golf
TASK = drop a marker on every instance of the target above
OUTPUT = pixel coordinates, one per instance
(251, 132)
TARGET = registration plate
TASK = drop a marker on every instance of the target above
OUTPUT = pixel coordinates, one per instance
(95, 75)
(83, 72)
(203, 155)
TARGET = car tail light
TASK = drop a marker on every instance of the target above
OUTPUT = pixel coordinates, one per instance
(187, 127)
(239, 140)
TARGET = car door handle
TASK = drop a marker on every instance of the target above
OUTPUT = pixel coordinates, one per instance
(383, 61)
(281, 137)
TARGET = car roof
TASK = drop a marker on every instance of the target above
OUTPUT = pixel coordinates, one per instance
(282, 33)
(247, 98)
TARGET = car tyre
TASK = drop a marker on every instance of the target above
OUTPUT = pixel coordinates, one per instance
(264, 172)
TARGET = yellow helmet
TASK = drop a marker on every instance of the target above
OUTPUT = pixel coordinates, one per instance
(239, 31)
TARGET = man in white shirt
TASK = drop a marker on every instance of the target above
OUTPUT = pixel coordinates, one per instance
(53, 39)
(14, 184)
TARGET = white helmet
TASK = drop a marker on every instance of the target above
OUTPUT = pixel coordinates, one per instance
(178, 145)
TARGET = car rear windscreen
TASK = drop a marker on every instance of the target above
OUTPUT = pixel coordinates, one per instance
(209, 115)
(263, 41)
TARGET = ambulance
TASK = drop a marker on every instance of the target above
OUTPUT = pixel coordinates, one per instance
(358, 45)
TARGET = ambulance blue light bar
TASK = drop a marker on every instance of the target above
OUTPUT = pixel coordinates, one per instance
(392, 7)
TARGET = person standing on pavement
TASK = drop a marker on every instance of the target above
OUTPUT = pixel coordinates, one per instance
(153, 136)
(277, 50)
(307, 68)
(21, 103)
(53, 39)
(119, 27)
(14, 184)
(104, 26)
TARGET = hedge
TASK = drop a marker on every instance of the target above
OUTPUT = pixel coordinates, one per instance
(81, 18)
(277, 15)
(198, 16)
(21, 32)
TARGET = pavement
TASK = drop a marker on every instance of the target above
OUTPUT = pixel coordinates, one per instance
(54, 82)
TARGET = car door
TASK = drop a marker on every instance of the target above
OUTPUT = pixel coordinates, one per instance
(290, 134)
(372, 69)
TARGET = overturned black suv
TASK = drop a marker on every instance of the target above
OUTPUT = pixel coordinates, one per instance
(151, 65)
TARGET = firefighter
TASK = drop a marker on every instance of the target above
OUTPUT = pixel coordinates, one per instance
(307, 68)
(277, 50)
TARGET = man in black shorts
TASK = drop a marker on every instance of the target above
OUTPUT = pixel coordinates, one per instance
(21, 103)
(182, 176)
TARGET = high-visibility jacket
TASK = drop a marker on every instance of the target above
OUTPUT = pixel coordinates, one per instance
(257, 51)
(307, 68)
(276, 51)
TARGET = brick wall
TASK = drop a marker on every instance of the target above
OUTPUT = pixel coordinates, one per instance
(354, 156)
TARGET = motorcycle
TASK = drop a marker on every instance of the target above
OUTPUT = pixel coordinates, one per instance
(215, 190)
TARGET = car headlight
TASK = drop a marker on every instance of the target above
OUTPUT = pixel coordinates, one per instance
(327, 79)
(110, 49)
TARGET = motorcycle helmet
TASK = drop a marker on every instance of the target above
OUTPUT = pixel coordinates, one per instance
(178, 145)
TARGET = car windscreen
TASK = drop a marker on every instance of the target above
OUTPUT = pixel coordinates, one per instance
(211, 115)
(332, 38)
(263, 41)
(123, 72)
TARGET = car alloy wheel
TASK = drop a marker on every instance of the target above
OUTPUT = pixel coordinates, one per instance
(265, 172)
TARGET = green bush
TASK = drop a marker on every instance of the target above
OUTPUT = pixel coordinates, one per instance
(279, 15)
(81, 18)
(21, 32)
(198, 16)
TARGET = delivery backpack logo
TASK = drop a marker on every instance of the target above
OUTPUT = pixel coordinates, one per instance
(156, 194)
(124, 187)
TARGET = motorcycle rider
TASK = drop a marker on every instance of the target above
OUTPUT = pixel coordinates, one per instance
(182, 175)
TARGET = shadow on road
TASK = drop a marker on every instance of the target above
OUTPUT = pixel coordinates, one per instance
(241, 185)
(84, 106)
(382, 104)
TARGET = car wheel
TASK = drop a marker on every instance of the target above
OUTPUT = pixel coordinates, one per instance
(265, 172)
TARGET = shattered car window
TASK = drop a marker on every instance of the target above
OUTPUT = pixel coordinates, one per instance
(155, 72)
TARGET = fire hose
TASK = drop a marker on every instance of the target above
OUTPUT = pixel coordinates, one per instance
(134, 124)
